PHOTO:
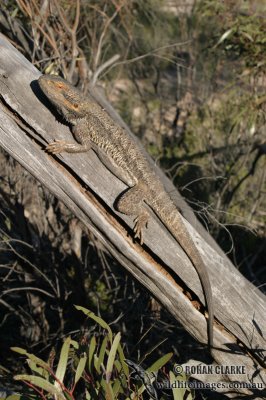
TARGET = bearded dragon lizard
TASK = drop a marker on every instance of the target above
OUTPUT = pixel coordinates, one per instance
(94, 129)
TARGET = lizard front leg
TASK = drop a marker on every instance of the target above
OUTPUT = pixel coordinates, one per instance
(58, 146)
(132, 203)
(82, 145)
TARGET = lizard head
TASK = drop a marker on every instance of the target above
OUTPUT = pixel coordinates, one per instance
(67, 99)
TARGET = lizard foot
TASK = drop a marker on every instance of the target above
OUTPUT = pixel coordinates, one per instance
(141, 222)
(58, 146)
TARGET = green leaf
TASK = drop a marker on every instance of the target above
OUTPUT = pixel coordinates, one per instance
(179, 392)
(80, 367)
(39, 370)
(75, 344)
(122, 360)
(88, 396)
(99, 320)
(111, 357)
(224, 36)
(160, 362)
(96, 363)
(32, 357)
(19, 350)
(62, 364)
(123, 379)
(41, 383)
(118, 365)
(109, 394)
(116, 387)
(92, 348)
(101, 354)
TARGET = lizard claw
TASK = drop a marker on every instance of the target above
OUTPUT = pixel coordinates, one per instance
(141, 221)
(58, 146)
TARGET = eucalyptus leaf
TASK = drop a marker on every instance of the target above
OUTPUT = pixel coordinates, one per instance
(109, 394)
(80, 367)
(180, 391)
(224, 36)
(41, 383)
(122, 360)
(160, 362)
(32, 357)
(62, 364)
(111, 357)
(97, 319)
(92, 348)
(102, 353)
(39, 370)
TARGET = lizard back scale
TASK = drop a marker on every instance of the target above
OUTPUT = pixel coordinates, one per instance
(94, 129)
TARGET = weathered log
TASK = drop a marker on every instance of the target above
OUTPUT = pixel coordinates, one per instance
(89, 190)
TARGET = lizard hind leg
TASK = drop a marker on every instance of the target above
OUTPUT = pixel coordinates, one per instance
(131, 203)
(141, 222)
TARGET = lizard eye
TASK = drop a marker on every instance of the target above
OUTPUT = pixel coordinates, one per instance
(75, 105)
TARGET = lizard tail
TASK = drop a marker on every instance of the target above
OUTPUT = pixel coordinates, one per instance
(171, 218)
